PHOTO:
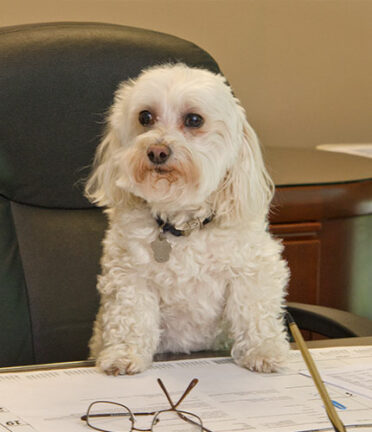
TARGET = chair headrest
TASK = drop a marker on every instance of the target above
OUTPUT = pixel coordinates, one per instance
(57, 82)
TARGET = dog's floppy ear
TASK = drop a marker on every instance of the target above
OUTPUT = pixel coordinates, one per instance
(101, 187)
(247, 189)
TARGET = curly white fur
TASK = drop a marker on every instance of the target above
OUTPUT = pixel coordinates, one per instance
(224, 283)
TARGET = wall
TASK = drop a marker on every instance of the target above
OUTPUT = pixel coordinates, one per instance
(302, 68)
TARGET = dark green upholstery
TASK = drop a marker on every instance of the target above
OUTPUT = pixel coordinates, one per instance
(56, 83)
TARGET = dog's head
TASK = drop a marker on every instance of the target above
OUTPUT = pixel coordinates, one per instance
(178, 139)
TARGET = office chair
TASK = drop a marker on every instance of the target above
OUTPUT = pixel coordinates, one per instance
(329, 322)
(57, 82)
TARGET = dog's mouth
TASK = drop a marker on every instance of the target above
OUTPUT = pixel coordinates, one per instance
(162, 170)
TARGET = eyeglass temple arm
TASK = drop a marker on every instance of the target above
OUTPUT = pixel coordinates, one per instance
(185, 393)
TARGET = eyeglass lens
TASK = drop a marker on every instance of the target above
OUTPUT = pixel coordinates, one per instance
(114, 417)
(109, 417)
(176, 421)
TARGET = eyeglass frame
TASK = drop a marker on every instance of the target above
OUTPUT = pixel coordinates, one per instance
(132, 416)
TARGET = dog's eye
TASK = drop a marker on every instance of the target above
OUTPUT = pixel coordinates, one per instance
(193, 120)
(146, 118)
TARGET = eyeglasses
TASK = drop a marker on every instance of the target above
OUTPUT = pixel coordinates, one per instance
(106, 416)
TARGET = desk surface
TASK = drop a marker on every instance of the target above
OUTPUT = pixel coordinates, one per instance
(290, 166)
(353, 341)
(316, 185)
(227, 396)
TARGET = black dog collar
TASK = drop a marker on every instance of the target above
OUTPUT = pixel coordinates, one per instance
(184, 229)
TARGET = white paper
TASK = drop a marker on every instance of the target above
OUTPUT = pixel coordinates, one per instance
(227, 398)
(356, 380)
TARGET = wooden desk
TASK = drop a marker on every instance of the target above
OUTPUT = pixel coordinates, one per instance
(354, 341)
(322, 210)
(64, 396)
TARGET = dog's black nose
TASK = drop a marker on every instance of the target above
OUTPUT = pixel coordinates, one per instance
(158, 153)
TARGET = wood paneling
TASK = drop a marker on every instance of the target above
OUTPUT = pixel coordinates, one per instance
(327, 236)
(302, 252)
(321, 202)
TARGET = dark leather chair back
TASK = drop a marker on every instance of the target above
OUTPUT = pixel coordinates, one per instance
(56, 83)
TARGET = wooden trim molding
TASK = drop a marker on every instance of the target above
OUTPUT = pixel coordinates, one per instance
(321, 202)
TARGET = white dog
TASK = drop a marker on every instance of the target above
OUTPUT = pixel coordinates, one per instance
(188, 262)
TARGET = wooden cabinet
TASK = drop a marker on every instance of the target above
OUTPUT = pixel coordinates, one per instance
(302, 251)
(325, 224)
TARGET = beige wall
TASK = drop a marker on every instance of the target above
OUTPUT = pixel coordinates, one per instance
(302, 68)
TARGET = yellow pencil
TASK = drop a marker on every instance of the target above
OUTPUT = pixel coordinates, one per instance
(330, 409)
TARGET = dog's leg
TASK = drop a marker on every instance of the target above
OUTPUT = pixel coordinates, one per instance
(126, 332)
(254, 311)
(96, 342)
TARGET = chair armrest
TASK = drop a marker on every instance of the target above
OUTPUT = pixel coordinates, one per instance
(333, 323)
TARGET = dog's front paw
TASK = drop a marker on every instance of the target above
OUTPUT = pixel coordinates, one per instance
(266, 357)
(122, 359)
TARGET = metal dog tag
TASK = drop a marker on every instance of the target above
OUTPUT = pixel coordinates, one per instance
(161, 248)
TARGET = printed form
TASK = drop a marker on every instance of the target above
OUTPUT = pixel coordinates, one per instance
(228, 398)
